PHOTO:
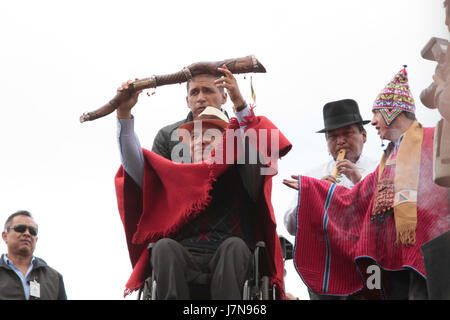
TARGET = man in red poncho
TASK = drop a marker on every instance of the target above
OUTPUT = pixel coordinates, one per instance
(370, 237)
(205, 217)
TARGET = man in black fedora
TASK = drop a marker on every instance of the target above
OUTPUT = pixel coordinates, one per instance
(344, 129)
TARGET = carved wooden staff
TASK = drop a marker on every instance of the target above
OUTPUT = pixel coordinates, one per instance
(247, 64)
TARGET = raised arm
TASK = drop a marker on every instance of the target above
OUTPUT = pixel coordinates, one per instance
(130, 149)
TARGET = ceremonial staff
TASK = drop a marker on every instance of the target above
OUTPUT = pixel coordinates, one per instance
(248, 64)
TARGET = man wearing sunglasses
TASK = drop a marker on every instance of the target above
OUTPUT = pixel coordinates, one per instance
(22, 275)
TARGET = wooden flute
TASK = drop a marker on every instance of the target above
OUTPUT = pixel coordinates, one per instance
(340, 157)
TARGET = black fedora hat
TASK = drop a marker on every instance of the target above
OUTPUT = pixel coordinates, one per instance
(341, 113)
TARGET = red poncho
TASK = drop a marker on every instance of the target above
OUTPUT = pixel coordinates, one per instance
(174, 193)
(336, 238)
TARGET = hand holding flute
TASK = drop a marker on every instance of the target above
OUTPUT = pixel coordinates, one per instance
(343, 166)
(347, 168)
(340, 157)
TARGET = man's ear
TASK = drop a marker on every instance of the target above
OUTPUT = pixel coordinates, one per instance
(4, 236)
(364, 134)
(224, 97)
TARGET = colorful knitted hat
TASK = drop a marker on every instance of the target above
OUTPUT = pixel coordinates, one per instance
(395, 98)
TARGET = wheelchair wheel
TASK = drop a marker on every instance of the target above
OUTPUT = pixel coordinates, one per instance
(265, 284)
(153, 290)
(246, 291)
(148, 290)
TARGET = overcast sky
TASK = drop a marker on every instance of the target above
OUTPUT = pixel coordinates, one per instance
(59, 59)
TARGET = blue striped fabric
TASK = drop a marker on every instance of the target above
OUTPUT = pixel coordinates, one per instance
(326, 275)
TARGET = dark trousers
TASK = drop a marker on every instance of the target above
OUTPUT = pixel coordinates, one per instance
(315, 296)
(406, 285)
(177, 268)
(400, 285)
(436, 255)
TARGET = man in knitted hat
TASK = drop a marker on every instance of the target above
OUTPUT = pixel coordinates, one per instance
(370, 236)
(204, 217)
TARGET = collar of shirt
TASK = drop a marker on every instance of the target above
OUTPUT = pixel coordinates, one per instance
(24, 279)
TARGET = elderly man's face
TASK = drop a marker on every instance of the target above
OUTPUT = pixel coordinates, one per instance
(380, 125)
(20, 243)
(203, 92)
(348, 138)
(204, 141)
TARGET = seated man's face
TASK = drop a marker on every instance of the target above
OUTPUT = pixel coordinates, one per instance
(349, 138)
(204, 141)
(203, 92)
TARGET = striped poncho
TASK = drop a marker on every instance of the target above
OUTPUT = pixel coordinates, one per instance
(336, 239)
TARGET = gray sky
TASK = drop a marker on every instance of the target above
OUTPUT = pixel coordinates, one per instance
(60, 59)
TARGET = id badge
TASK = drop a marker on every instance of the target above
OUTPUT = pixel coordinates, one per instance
(35, 289)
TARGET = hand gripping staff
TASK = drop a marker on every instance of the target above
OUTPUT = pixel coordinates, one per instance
(248, 64)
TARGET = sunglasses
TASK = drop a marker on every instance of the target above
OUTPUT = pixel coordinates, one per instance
(21, 228)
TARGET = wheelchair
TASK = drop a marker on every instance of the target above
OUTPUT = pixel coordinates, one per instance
(257, 287)
(287, 248)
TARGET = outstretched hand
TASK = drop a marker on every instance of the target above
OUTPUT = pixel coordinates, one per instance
(291, 183)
